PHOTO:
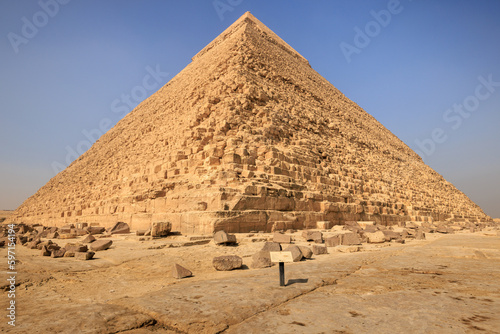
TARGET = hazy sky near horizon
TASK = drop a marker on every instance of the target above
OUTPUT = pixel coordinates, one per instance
(429, 71)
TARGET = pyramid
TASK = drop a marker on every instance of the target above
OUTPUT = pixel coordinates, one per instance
(248, 137)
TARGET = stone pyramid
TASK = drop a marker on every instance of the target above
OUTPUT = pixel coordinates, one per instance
(248, 137)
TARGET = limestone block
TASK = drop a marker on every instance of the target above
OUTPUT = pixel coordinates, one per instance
(223, 238)
(75, 248)
(84, 255)
(119, 228)
(319, 250)
(324, 225)
(375, 237)
(296, 253)
(282, 238)
(315, 236)
(88, 239)
(271, 247)
(160, 229)
(179, 271)
(349, 239)
(306, 252)
(261, 259)
(227, 262)
(100, 245)
(333, 241)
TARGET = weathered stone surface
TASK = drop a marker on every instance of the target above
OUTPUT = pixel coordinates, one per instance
(53, 235)
(333, 241)
(223, 238)
(160, 229)
(84, 255)
(32, 244)
(349, 239)
(375, 237)
(119, 228)
(347, 249)
(324, 225)
(88, 239)
(365, 224)
(306, 252)
(67, 236)
(58, 252)
(95, 229)
(271, 246)
(411, 225)
(75, 248)
(391, 235)
(420, 235)
(315, 236)
(319, 250)
(282, 238)
(100, 245)
(227, 262)
(261, 259)
(179, 271)
(296, 253)
(45, 251)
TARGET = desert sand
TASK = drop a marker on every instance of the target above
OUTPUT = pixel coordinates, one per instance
(448, 283)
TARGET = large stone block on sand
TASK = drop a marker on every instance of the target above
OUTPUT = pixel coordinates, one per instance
(296, 253)
(227, 262)
(261, 259)
(349, 239)
(101, 245)
(95, 229)
(333, 241)
(58, 252)
(318, 250)
(282, 238)
(223, 238)
(306, 252)
(84, 255)
(179, 271)
(160, 229)
(375, 237)
(120, 228)
(315, 236)
(75, 248)
(271, 246)
(88, 239)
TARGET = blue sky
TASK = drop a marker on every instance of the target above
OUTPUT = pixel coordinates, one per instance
(429, 71)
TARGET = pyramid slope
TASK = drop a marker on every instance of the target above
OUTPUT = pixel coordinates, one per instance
(248, 137)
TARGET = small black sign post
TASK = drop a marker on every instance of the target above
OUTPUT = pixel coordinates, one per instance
(282, 273)
(281, 258)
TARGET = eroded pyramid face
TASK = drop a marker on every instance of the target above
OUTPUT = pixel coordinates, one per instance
(248, 137)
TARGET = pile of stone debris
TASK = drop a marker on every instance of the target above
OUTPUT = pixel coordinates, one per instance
(341, 238)
(40, 237)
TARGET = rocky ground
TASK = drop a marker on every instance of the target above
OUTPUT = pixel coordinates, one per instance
(447, 283)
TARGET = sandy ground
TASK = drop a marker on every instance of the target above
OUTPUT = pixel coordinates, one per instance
(445, 284)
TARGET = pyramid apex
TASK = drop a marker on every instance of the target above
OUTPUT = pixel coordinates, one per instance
(250, 20)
